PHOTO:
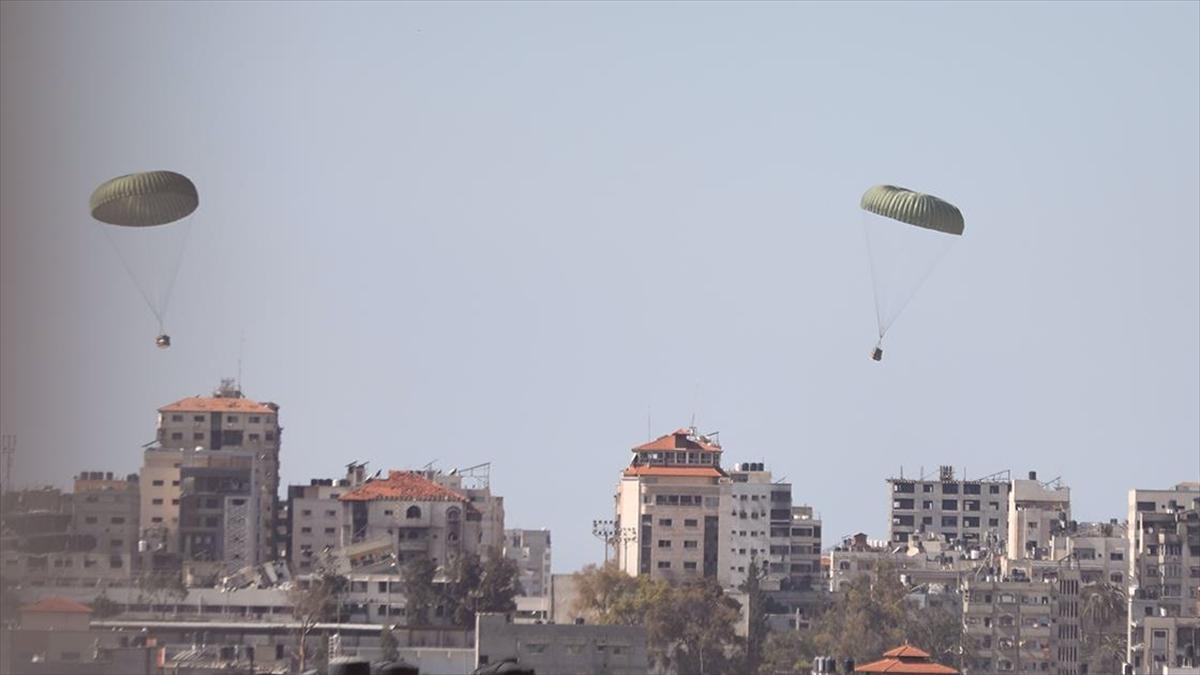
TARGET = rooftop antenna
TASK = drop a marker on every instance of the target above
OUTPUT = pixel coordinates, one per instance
(241, 348)
(695, 404)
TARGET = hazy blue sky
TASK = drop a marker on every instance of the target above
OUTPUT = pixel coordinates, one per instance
(490, 232)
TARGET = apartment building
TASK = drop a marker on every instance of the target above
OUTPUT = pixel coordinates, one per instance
(530, 550)
(223, 422)
(1036, 511)
(162, 492)
(475, 484)
(1010, 625)
(952, 508)
(760, 526)
(419, 516)
(1097, 549)
(107, 510)
(669, 498)
(1163, 572)
(219, 525)
(314, 517)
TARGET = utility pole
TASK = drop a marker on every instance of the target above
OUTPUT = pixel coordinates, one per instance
(8, 448)
(604, 531)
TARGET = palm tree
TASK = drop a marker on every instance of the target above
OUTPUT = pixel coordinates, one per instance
(1102, 608)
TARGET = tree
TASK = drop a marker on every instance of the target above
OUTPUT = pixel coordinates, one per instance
(158, 586)
(460, 592)
(103, 607)
(690, 627)
(419, 590)
(756, 614)
(498, 585)
(316, 602)
(389, 645)
(1102, 612)
(787, 652)
(605, 595)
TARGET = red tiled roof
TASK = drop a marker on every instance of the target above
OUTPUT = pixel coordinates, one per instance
(57, 605)
(909, 667)
(906, 659)
(906, 651)
(680, 439)
(403, 486)
(688, 471)
(218, 404)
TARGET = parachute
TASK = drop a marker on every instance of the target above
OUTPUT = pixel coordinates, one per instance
(146, 221)
(908, 233)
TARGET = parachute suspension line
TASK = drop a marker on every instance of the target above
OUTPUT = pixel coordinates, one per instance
(921, 282)
(187, 233)
(133, 277)
(874, 280)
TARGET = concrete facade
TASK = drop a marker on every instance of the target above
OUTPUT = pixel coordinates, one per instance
(108, 510)
(668, 501)
(951, 508)
(531, 551)
(1036, 511)
(570, 649)
(1164, 569)
(759, 524)
(224, 421)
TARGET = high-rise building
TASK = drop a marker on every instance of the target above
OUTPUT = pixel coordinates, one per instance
(668, 503)
(1011, 624)
(1164, 576)
(955, 509)
(219, 521)
(222, 430)
(530, 550)
(760, 526)
(1036, 511)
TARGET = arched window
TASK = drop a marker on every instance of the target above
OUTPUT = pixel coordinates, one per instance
(453, 514)
(413, 512)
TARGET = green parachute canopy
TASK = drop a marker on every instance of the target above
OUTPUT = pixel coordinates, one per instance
(913, 208)
(144, 199)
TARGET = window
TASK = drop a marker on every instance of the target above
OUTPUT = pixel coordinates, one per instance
(413, 513)
(330, 513)
(949, 504)
(255, 419)
(306, 530)
(689, 522)
(949, 488)
(690, 565)
(329, 530)
(177, 435)
(926, 487)
(664, 543)
(156, 483)
(664, 522)
(308, 512)
(198, 436)
(230, 419)
(156, 502)
(993, 522)
(118, 520)
(156, 519)
(664, 564)
(690, 543)
(197, 418)
(254, 439)
(270, 435)
(176, 418)
(993, 489)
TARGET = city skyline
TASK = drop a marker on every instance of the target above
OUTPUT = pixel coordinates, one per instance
(469, 233)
